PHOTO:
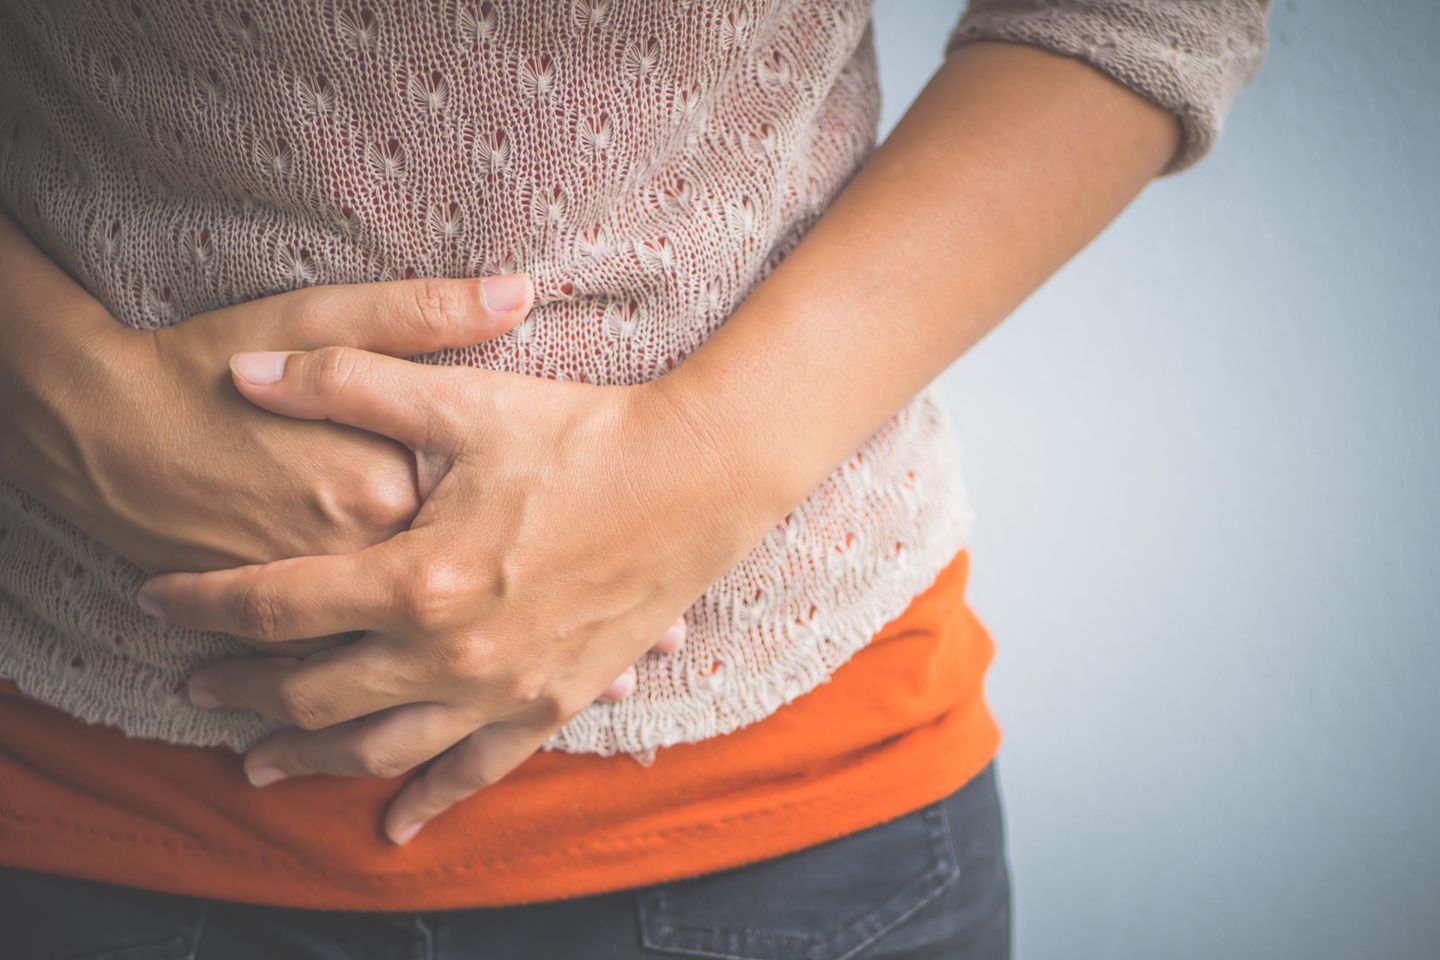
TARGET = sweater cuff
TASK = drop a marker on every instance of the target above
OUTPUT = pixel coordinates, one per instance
(1189, 57)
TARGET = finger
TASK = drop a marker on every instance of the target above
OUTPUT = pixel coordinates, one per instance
(293, 599)
(385, 744)
(302, 648)
(482, 759)
(319, 691)
(384, 395)
(621, 687)
(400, 317)
(672, 639)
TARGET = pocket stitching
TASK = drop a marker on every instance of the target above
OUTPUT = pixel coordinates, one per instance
(199, 933)
(661, 927)
(658, 932)
(951, 873)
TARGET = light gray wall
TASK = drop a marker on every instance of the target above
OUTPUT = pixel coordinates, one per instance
(1205, 460)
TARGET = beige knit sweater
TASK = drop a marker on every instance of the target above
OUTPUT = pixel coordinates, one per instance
(646, 162)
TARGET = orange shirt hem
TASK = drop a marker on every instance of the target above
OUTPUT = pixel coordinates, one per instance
(901, 725)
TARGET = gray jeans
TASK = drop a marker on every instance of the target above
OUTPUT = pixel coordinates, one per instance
(930, 884)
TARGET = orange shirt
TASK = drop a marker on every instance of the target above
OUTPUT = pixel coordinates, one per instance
(902, 724)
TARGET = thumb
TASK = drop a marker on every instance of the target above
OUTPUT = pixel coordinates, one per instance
(396, 317)
(385, 395)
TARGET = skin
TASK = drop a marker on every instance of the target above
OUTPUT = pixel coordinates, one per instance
(472, 650)
(217, 481)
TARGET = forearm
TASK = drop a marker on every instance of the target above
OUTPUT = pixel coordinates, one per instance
(57, 345)
(1008, 163)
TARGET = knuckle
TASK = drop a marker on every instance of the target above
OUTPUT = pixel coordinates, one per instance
(360, 507)
(300, 705)
(478, 774)
(449, 409)
(561, 706)
(258, 613)
(526, 689)
(383, 767)
(431, 596)
(485, 776)
(374, 760)
(538, 697)
(384, 505)
(440, 307)
(331, 368)
(466, 658)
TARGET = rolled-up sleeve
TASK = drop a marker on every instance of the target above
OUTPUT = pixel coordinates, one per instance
(1191, 57)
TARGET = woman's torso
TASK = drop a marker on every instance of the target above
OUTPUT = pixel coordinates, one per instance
(646, 163)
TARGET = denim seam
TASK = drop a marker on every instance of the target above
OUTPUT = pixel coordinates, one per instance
(953, 866)
(199, 933)
(941, 847)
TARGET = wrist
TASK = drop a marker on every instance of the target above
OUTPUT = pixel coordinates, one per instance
(737, 491)
(59, 397)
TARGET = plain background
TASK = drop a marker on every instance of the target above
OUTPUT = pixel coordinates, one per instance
(1205, 461)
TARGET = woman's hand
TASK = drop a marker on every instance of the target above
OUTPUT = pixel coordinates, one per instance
(564, 526)
(179, 472)
(140, 440)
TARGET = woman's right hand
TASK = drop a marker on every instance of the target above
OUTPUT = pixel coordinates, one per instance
(187, 475)
(140, 439)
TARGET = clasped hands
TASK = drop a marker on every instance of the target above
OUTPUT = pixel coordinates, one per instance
(562, 528)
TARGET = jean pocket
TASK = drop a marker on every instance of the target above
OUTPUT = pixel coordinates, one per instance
(826, 902)
(46, 916)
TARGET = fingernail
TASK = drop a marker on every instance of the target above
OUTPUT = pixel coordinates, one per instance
(202, 697)
(264, 776)
(259, 368)
(622, 687)
(403, 835)
(503, 294)
(148, 604)
(674, 637)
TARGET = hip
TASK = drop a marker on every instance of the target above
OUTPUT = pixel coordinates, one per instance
(931, 883)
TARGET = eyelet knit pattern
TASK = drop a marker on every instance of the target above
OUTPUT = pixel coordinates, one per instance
(647, 163)
(1192, 58)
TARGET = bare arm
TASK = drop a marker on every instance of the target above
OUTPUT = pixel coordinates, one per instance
(57, 345)
(1010, 161)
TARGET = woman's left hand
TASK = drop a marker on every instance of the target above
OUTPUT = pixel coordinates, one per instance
(564, 526)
